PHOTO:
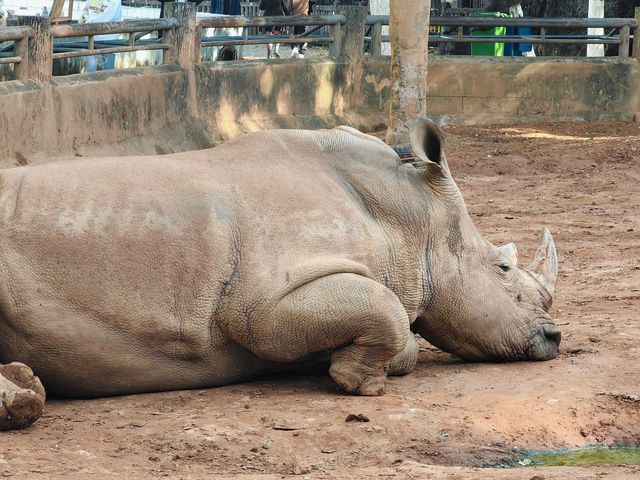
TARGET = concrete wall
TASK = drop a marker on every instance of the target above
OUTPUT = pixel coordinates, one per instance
(165, 108)
(478, 90)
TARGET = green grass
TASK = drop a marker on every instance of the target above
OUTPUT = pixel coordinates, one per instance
(585, 456)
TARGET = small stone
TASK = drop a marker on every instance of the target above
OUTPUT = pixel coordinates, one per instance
(328, 450)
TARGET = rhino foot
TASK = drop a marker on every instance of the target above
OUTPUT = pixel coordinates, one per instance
(22, 396)
(354, 377)
(405, 361)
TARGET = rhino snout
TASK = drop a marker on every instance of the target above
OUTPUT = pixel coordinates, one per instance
(545, 343)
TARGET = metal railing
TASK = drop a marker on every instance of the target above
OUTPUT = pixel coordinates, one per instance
(20, 55)
(623, 25)
(134, 28)
(316, 22)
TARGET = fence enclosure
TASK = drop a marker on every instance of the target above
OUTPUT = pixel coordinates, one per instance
(36, 43)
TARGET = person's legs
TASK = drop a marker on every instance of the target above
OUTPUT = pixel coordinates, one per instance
(91, 64)
(109, 61)
(302, 47)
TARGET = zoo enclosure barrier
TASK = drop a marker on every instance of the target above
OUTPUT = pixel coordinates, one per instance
(180, 37)
(334, 22)
(20, 55)
(622, 39)
(136, 29)
(31, 50)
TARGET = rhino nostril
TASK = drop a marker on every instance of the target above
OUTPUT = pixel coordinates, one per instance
(552, 333)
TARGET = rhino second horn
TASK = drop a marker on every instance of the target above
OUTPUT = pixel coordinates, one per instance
(545, 263)
(510, 252)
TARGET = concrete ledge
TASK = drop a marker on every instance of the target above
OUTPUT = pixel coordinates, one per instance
(164, 109)
(512, 90)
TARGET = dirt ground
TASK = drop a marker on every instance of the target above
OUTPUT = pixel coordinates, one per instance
(448, 418)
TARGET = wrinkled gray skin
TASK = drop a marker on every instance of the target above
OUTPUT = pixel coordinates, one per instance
(124, 275)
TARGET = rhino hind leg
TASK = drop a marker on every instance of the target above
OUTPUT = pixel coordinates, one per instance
(406, 360)
(22, 396)
(360, 321)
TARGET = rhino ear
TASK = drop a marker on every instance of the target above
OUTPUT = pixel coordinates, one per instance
(427, 141)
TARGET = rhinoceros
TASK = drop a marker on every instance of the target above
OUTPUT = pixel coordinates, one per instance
(198, 269)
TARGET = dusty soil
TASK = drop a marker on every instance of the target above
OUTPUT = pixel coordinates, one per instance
(447, 418)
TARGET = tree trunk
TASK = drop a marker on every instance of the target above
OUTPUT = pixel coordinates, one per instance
(409, 30)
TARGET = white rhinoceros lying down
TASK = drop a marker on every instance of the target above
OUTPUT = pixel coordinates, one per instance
(124, 275)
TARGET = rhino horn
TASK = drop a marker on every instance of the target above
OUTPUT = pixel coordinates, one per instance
(545, 263)
(510, 252)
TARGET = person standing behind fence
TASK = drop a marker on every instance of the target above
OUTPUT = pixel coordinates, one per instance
(299, 8)
(216, 6)
(98, 11)
(274, 8)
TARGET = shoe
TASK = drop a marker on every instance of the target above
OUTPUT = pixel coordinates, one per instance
(294, 52)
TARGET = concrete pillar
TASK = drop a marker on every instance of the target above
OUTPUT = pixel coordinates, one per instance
(381, 7)
(596, 10)
(352, 47)
(409, 24)
(40, 56)
(183, 38)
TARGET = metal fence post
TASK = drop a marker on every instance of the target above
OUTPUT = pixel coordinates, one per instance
(636, 37)
(40, 49)
(623, 49)
(183, 37)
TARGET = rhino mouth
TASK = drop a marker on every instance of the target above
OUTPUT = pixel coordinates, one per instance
(543, 344)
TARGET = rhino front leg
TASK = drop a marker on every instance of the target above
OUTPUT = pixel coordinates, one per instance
(22, 396)
(406, 360)
(360, 320)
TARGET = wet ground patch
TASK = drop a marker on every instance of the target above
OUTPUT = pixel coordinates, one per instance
(576, 457)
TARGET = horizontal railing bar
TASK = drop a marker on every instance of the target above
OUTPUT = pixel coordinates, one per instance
(15, 33)
(516, 39)
(129, 26)
(6, 60)
(104, 51)
(102, 44)
(291, 21)
(592, 40)
(231, 41)
(519, 22)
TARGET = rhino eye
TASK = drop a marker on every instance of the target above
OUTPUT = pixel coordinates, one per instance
(505, 268)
